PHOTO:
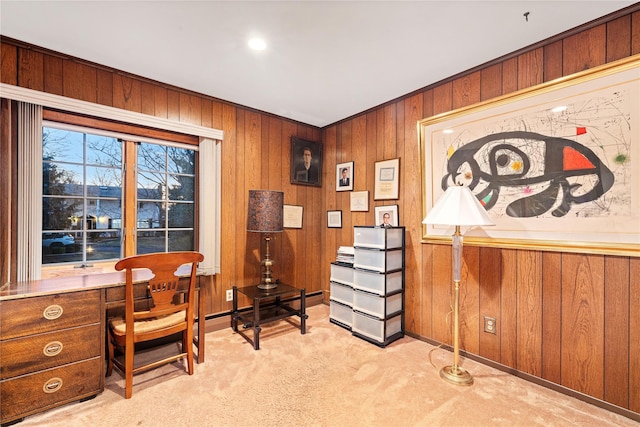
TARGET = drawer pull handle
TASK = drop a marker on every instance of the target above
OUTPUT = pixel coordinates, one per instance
(53, 385)
(52, 349)
(52, 312)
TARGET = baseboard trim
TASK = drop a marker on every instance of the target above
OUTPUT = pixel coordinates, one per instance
(536, 380)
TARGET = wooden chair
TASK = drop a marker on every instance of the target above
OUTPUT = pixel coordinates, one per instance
(166, 317)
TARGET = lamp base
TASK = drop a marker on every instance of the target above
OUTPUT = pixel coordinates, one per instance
(266, 286)
(457, 376)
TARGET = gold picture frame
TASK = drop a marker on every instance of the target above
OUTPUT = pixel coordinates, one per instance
(565, 179)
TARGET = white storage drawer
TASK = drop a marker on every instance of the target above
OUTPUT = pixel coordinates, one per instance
(372, 259)
(340, 313)
(378, 283)
(376, 329)
(377, 305)
(341, 274)
(342, 293)
(378, 238)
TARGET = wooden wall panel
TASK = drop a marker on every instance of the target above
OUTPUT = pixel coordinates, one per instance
(584, 50)
(491, 82)
(126, 93)
(104, 88)
(508, 310)
(616, 331)
(80, 81)
(53, 75)
(530, 69)
(582, 323)
(8, 64)
(618, 38)
(552, 61)
(466, 90)
(635, 35)
(470, 300)
(551, 316)
(442, 293)
(634, 335)
(529, 311)
(31, 69)
(490, 268)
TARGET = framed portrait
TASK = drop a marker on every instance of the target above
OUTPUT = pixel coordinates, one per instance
(359, 201)
(387, 179)
(386, 216)
(306, 162)
(344, 176)
(291, 216)
(334, 219)
(555, 165)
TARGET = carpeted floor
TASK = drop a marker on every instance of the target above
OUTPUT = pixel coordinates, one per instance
(324, 378)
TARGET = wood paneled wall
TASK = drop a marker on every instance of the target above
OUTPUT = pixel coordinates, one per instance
(571, 319)
(255, 155)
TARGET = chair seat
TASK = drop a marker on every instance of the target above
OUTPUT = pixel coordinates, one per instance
(119, 326)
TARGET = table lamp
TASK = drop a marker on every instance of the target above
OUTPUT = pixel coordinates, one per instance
(265, 216)
(457, 206)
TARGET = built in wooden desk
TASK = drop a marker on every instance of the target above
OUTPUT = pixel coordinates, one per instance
(52, 338)
(268, 306)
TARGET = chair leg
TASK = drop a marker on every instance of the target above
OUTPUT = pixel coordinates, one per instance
(187, 346)
(110, 358)
(128, 371)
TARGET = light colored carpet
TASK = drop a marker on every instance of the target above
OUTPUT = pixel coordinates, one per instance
(324, 378)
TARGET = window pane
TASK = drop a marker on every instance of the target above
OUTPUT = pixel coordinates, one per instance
(181, 240)
(61, 213)
(64, 145)
(150, 215)
(61, 179)
(181, 188)
(104, 245)
(103, 150)
(60, 247)
(180, 215)
(181, 160)
(150, 241)
(104, 181)
(152, 157)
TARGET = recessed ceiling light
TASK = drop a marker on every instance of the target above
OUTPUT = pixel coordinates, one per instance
(256, 43)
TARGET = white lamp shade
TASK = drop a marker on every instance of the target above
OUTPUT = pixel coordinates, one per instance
(458, 206)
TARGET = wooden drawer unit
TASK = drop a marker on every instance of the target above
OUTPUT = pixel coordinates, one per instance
(30, 394)
(51, 351)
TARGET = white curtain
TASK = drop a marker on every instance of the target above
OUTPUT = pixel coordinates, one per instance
(29, 257)
(209, 201)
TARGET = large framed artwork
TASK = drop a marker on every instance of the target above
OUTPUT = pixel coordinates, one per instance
(557, 166)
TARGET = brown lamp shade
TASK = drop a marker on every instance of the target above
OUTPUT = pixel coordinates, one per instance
(265, 211)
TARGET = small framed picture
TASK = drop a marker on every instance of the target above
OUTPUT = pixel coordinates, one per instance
(291, 216)
(386, 216)
(359, 201)
(334, 219)
(306, 162)
(344, 176)
(387, 180)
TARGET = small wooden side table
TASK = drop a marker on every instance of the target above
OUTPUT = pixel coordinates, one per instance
(268, 306)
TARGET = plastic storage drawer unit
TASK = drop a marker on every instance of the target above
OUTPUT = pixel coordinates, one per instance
(377, 305)
(376, 330)
(373, 259)
(340, 314)
(378, 238)
(342, 293)
(378, 283)
(341, 274)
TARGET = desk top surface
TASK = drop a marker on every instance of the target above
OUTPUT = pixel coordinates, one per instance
(32, 288)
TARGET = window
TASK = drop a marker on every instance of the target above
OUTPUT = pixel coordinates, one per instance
(83, 196)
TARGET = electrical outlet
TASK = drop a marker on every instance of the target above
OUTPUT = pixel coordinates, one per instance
(229, 294)
(490, 325)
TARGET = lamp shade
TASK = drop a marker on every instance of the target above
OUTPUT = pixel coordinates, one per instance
(458, 206)
(265, 211)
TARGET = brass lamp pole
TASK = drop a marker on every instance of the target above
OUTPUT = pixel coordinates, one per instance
(457, 206)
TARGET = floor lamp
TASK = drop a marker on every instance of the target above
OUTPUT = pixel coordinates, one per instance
(266, 216)
(457, 207)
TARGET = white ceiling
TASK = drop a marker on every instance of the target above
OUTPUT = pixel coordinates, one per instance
(325, 61)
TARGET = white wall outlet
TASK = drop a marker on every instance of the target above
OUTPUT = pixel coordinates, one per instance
(229, 294)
